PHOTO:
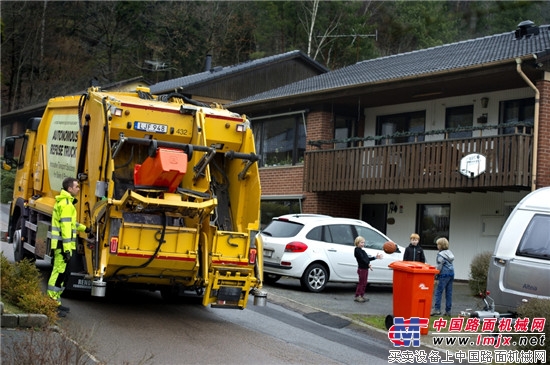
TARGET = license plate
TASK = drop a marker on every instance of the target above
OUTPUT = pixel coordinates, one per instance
(150, 127)
(268, 253)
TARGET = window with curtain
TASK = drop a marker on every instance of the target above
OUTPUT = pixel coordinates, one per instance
(432, 222)
(408, 123)
(280, 140)
(520, 110)
(460, 116)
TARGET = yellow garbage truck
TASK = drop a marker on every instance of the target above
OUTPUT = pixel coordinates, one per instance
(169, 187)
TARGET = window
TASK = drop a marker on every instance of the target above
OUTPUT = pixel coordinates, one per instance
(513, 111)
(372, 238)
(277, 207)
(406, 123)
(344, 128)
(340, 233)
(432, 222)
(280, 140)
(461, 116)
(536, 239)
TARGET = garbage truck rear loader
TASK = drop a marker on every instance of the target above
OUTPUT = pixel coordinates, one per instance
(170, 188)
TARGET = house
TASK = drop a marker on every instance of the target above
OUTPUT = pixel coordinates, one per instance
(225, 84)
(443, 141)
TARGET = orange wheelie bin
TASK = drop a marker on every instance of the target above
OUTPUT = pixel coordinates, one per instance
(413, 287)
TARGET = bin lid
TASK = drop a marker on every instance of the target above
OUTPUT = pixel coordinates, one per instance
(414, 267)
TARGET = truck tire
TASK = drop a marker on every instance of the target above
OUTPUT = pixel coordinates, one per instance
(19, 252)
(315, 278)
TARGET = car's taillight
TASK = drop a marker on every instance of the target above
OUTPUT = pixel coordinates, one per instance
(113, 247)
(295, 247)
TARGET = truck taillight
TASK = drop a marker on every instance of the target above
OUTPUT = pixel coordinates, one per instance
(113, 247)
(252, 253)
(241, 128)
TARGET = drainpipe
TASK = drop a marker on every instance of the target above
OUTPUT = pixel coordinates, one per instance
(536, 123)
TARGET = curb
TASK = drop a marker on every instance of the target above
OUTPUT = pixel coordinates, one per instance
(24, 320)
(305, 308)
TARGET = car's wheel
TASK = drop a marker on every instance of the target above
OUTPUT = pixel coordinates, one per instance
(271, 278)
(315, 278)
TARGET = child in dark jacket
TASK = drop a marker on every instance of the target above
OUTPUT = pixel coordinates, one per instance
(363, 266)
(414, 252)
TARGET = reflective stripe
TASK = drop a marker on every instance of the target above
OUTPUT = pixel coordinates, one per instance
(67, 240)
(54, 288)
(65, 219)
(55, 229)
(56, 237)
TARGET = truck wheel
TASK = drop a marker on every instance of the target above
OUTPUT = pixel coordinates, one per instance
(19, 252)
(315, 278)
(271, 278)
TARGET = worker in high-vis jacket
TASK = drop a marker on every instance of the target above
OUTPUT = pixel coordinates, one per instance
(64, 235)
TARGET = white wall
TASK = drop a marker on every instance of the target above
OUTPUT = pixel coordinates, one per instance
(435, 111)
(470, 212)
(467, 236)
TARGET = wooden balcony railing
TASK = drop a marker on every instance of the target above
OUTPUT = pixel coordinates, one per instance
(422, 166)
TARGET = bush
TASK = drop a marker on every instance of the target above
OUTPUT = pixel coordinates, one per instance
(7, 179)
(479, 268)
(536, 308)
(20, 286)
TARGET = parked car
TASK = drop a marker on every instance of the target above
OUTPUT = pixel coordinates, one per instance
(519, 269)
(318, 249)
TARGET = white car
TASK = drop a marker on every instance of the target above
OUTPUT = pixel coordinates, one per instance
(319, 249)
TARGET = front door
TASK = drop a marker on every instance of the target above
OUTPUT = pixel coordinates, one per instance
(375, 215)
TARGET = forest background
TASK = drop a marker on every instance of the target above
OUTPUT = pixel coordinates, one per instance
(51, 48)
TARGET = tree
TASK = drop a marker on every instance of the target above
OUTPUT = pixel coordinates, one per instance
(54, 48)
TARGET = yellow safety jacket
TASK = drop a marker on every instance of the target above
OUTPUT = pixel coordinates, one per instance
(64, 224)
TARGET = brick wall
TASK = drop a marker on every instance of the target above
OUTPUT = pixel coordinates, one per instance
(319, 127)
(543, 158)
(288, 180)
(337, 204)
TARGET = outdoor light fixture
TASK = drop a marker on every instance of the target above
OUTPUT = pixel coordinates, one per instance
(484, 102)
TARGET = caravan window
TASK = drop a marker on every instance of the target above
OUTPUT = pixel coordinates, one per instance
(536, 239)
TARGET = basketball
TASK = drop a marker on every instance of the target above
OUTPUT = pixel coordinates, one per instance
(389, 247)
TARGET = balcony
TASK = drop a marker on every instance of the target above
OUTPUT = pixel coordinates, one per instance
(422, 167)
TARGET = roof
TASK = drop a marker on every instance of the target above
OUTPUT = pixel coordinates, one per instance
(447, 58)
(220, 71)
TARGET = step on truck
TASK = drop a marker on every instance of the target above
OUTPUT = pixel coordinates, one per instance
(169, 187)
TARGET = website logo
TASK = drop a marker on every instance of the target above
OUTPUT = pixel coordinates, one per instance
(406, 332)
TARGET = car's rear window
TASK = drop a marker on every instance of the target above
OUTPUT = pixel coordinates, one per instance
(536, 239)
(279, 228)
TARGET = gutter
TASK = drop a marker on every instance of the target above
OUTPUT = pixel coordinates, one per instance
(536, 123)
